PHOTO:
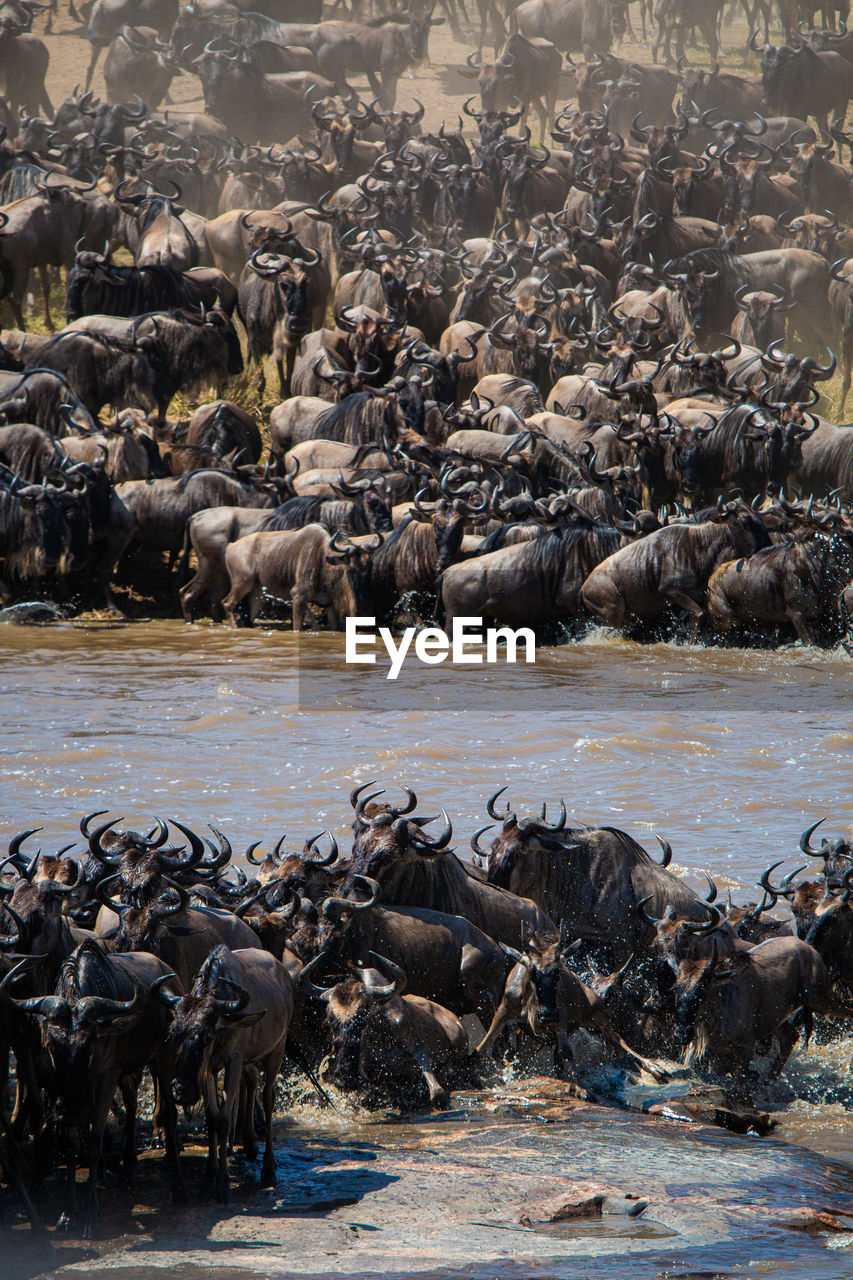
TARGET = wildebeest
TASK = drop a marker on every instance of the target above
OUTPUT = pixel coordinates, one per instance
(234, 1018)
(104, 370)
(534, 583)
(96, 286)
(160, 509)
(671, 567)
(386, 1039)
(100, 1028)
(731, 1009)
(307, 566)
(797, 584)
(542, 992)
(416, 869)
(588, 879)
(277, 299)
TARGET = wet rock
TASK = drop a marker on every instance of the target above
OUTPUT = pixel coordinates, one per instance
(817, 1220)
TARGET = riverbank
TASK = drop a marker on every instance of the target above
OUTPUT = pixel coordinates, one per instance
(522, 1182)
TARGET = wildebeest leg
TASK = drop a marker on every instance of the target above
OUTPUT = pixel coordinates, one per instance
(543, 118)
(210, 1115)
(166, 1115)
(271, 1069)
(93, 61)
(68, 1216)
(249, 1094)
(563, 1056)
(10, 1167)
(509, 1010)
(802, 628)
(129, 1095)
(240, 587)
(387, 91)
(16, 302)
(608, 604)
(602, 1024)
(437, 1093)
(685, 602)
(101, 1111)
(230, 1098)
(470, 971)
(298, 602)
(846, 361)
(44, 276)
(284, 380)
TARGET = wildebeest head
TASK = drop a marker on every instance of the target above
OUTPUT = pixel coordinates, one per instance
(776, 64)
(687, 181)
(677, 938)
(447, 517)
(697, 289)
(35, 910)
(371, 338)
(354, 1011)
(326, 927)
(661, 141)
(215, 1001)
(292, 283)
(387, 838)
(398, 126)
(805, 164)
(420, 23)
(515, 836)
(142, 928)
(761, 307)
(44, 504)
(693, 979)
(813, 231)
(517, 167)
(141, 864)
(545, 959)
(74, 1026)
(355, 560)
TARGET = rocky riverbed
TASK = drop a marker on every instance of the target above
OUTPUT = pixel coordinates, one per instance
(524, 1181)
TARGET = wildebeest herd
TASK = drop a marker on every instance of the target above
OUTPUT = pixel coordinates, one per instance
(356, 969)
(553, 382)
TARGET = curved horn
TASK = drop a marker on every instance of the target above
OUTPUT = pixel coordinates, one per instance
(805, 839)
(476, 837)
(330, 857)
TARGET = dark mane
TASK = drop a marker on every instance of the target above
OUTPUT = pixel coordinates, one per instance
(732, 271)
(550, 551)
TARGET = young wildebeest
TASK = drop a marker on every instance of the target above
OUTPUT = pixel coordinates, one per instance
(236, 1016)
(543, 992)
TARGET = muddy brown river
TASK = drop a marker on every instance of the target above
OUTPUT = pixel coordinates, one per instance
(728, 754)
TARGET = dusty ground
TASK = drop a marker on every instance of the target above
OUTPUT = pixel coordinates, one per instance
(441, 87)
